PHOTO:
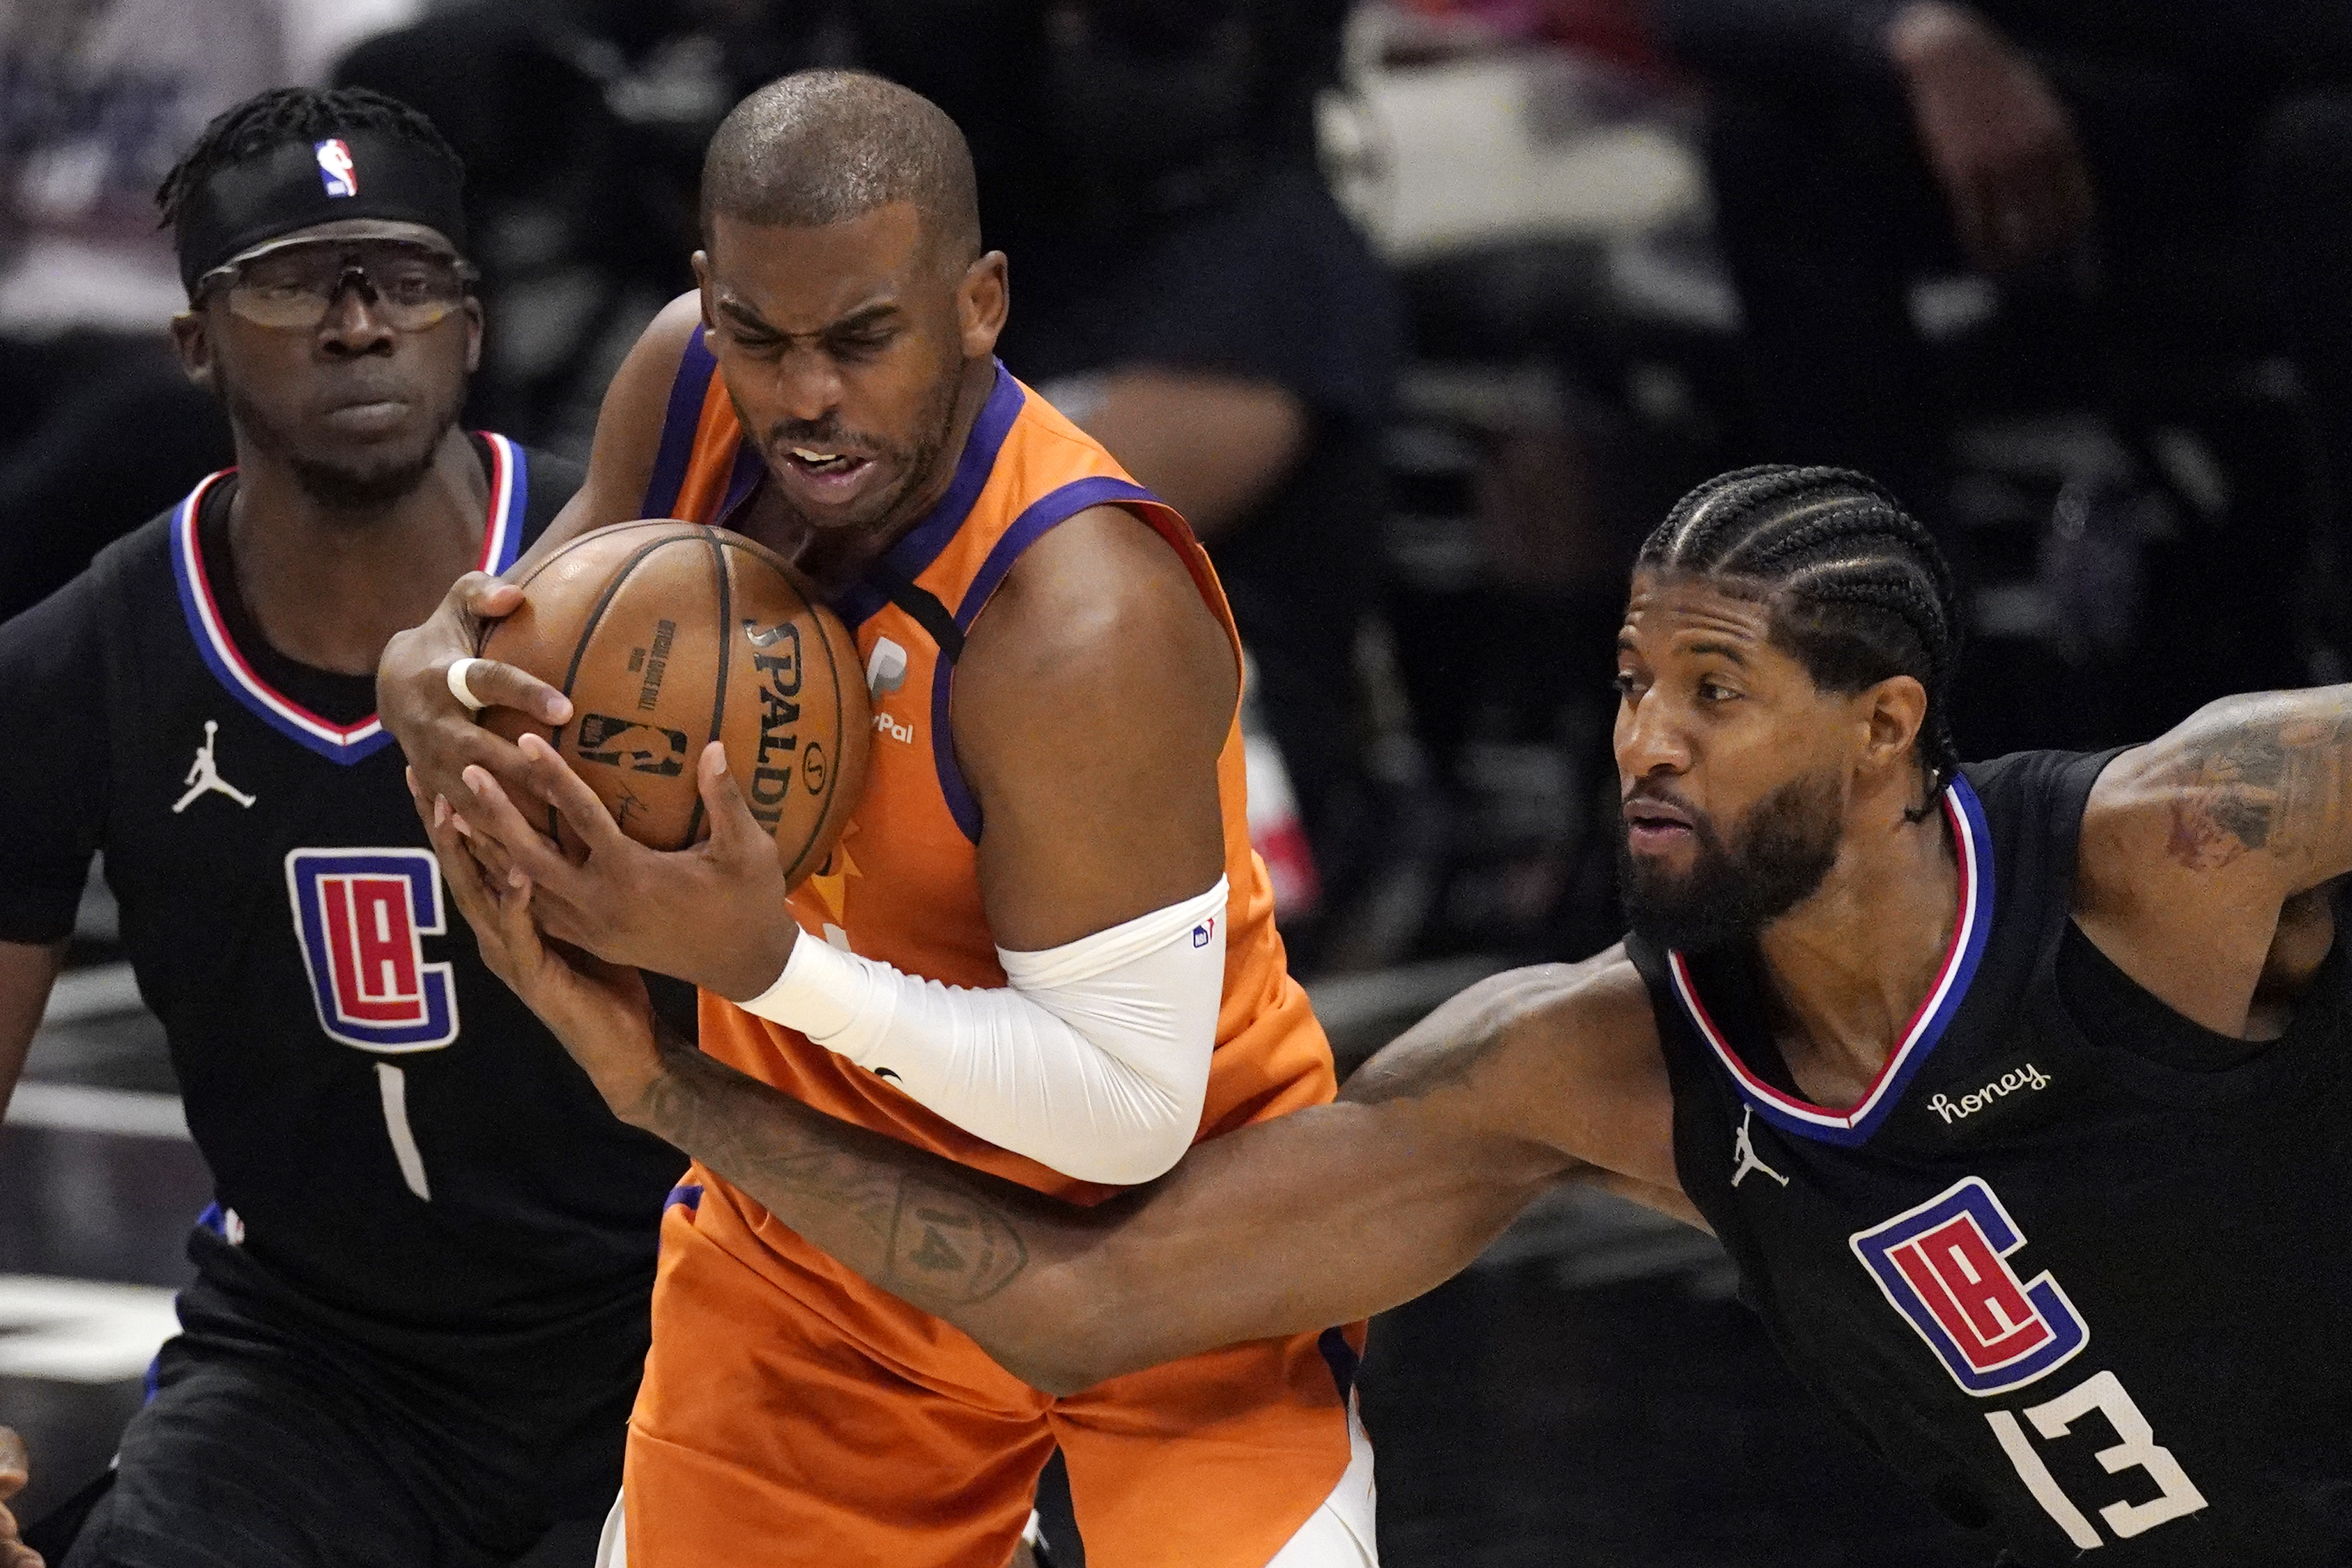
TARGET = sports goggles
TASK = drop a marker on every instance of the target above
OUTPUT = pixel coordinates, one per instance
(410, 286)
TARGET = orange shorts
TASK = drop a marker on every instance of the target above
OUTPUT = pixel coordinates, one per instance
(790, 1412)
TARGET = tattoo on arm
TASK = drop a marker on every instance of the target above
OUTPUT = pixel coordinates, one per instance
(934, 1244)
(951, 1246)
(2274, 779)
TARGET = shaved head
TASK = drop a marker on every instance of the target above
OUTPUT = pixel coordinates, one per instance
(822, 147)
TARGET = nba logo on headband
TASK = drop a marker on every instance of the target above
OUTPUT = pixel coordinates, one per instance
(336, 169)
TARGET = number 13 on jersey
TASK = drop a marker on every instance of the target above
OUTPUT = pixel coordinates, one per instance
(362, 916)
(1945, 1266)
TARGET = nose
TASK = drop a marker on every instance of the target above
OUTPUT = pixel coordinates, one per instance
(1650, 738)
(809, 383)
(354, 324)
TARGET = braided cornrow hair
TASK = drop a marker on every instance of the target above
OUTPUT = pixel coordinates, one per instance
(1859, 591)
(292, 115)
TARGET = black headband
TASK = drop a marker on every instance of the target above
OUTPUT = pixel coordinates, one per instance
(299, 184)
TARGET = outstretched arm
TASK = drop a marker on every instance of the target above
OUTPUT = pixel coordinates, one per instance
(2192, 845)
(1290, 1225)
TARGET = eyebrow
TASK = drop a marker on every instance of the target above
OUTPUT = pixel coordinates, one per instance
(1724, 649)
(865, 316)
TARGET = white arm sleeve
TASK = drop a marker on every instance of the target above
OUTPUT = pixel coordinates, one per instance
(1094, 1062)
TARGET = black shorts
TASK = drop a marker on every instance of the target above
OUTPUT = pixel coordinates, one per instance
(265, 1450)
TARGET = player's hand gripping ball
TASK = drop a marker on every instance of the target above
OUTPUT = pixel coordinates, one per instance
(669, 636)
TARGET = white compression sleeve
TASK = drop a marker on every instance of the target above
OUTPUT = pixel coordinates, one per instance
(1094, 1061)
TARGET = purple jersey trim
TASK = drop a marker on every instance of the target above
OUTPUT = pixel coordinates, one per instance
(687, 391)
(1053, 508)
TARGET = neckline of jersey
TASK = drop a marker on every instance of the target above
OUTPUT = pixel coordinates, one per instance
(924, 543)
(1971, 927)
(502, 530)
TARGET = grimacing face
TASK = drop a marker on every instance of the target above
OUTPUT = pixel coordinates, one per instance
(355, 406)
(844, 347)
(1733, 767)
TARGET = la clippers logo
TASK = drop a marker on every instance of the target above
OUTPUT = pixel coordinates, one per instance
(362, 916)
(337, 172)
(1945, 1266)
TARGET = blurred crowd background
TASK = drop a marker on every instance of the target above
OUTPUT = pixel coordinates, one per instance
(1423, 311)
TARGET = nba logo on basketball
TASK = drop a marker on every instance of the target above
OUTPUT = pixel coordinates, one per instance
(336, 169)
(1945, 1266)
(360, 916)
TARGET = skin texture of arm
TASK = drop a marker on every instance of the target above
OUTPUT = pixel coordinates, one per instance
(438, 735)
(26, 973)
(1289, 1225)
(2201, 852)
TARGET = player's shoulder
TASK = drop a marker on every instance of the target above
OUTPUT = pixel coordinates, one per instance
(1100, 593)
(652, 362)
(131, 576)
(632, 420)
(550, 480)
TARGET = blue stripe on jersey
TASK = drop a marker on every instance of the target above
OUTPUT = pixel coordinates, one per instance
(347, 744)
(694, 367)
(1853, 1126)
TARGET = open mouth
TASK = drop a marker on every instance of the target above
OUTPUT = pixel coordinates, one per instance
(1652, 826)
(825, 464)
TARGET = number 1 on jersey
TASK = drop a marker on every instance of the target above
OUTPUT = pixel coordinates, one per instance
(2176, 1495)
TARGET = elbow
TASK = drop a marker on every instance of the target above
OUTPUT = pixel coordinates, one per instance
(1129, 1162)
(1073, 1343)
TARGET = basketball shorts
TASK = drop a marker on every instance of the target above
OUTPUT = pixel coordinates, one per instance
(263, 1450)
(792, 1413)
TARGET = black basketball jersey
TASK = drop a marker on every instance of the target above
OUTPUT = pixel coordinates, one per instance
(2079, 1271)
(402, 1154)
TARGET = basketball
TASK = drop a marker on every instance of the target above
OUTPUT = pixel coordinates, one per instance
(667, 636)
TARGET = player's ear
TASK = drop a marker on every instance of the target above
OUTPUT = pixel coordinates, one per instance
(473, 334)
(193, 339)
(1894, 711)
(982, 298)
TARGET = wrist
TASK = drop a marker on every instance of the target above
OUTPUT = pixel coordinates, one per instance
(651, 1098)
(760, 963)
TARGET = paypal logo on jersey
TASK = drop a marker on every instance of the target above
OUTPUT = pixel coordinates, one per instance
(337, 172)
(1945, 1266)
(360, 916)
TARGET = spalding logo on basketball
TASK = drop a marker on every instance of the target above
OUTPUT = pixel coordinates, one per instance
(668, 636)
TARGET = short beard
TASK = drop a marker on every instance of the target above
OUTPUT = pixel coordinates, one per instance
(1779, 857)
(918, 459)
(337, 487)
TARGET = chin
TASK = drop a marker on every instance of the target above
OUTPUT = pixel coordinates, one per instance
(345, 483)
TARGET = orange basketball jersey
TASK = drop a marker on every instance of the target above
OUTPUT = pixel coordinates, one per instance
(903, 885)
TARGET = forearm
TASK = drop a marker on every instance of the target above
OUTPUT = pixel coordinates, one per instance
(1094, 1060)
(1291, 1226)
(1006, 1265)
(26, 973)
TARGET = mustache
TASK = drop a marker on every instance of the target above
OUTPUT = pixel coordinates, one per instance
(824, 436)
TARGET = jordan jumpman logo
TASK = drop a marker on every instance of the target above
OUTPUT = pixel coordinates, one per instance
(1743, 1153)
(204, 776)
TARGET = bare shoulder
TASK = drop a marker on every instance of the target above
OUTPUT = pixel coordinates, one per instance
(1097, 617)
(1563, 1053)
(629, 424)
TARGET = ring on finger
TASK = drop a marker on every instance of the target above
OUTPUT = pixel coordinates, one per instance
(461, 689)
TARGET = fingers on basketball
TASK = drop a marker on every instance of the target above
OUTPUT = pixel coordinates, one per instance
(667, 636)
